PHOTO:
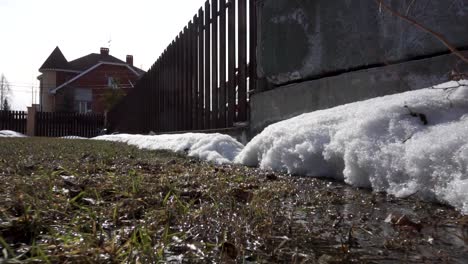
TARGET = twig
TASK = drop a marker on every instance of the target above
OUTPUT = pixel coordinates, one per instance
(409, 6)
(439, 36)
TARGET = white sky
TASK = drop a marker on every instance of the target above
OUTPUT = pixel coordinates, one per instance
(31, 29)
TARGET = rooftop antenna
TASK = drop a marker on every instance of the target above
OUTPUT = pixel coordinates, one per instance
(109, 42)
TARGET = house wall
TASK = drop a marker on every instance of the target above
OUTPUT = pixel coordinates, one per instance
(64, 100)
(48, 81)
(99, 98)
(97, 80)
(62, 77)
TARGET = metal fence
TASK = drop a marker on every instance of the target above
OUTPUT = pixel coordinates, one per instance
(13, 120)
(202, 79)
(56, 124)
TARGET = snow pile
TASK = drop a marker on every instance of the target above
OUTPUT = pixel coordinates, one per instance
(409, 143)
(216, 148)
(9, 133)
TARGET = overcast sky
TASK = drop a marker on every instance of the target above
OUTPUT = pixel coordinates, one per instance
(31, 29)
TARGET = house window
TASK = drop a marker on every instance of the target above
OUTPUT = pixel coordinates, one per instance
(83, 107)
(112, 83)
(83, 100)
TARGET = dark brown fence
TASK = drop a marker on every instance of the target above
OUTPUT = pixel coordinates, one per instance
(13, 120)
(56, 124)
(202, 79)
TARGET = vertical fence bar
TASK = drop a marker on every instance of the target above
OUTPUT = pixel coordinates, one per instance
(51, 131)
(13, 120)
(185, 67)
(214, 64)
(146, 102)
(231, 61)
(148, 99)
(176, 87)
(176, 91)
(167, 77)
(167, 91)
(253, 45)
(170, 89)
(242, 65)
(154, 104)
(222, 63)
(48, 125)
(156, 95)
(207, 66)
(181, 80)
(184, 62)
(48, 132)
(190, 76)
(201, 76)
(162, 92)
(154, 110)
(195, 103)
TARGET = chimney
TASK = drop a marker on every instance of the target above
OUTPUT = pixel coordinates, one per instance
(104, 51)
(130, 60)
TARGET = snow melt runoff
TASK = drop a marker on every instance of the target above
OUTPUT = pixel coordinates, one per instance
(402, 144)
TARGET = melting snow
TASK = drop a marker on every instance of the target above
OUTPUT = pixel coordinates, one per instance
(9, 133)
(73, 137)
(403, 144)
(217, 148)
(408, 143)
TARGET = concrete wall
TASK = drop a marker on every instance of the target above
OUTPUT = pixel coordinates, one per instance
(306, 39)
(317, 54)
(294, 99)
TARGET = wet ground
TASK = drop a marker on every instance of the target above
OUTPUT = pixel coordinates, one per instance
(81, 201)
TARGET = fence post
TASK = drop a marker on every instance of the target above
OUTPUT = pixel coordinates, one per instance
(105, 119)
(31, 121)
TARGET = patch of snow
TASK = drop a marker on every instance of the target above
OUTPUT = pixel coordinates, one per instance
(9, 133)
(73, 137)
(404, 144)
(216, 148)
(451, 84)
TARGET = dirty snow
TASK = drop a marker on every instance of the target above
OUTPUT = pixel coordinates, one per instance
(409, 143)
(216, 148)
(9, 133)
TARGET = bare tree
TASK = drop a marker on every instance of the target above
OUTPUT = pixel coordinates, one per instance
(6, 105)
(4, 92)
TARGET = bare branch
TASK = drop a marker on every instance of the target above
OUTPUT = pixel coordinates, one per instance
(439, 36)
(409, 6)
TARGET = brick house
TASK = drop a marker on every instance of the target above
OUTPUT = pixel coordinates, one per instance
(86, 84)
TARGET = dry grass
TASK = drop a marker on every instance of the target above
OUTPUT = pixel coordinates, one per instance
(80, 201)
